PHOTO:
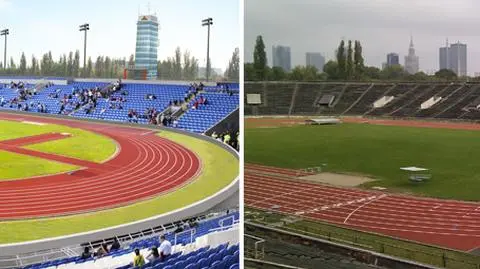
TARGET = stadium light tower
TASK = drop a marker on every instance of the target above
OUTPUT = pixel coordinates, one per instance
(85, 27)
(208, 22)
(5, 32)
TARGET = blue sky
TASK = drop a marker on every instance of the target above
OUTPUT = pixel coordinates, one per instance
(39, 26)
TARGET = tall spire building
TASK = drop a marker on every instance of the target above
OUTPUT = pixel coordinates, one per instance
(411, 60)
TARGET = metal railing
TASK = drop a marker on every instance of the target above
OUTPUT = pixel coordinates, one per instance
(258, 251)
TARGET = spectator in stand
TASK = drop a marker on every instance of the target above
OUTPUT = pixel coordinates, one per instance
(138, 260)
(102, 250)
(115, 245)
(226, 138)
(86, 253)
(165, 248)
(154, 255)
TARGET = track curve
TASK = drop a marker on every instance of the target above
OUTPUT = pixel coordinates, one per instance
(145, 166)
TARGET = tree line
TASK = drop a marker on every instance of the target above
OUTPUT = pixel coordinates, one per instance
(347, 66)
(181, 66)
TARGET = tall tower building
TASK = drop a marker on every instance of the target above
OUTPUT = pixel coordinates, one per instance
(454, 58)
(444, 57)
(458, 58)
(147, 45)
(315, 59)
(411, 60)
(392, 59)
(281, 57)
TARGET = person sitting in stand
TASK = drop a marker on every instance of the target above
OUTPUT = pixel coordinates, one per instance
(86, 253)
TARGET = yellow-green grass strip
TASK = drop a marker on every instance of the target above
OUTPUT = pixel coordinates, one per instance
(219, 169)
(18, 166)
(82, 144)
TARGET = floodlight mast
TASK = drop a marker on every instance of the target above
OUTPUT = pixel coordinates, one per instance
(207, 22)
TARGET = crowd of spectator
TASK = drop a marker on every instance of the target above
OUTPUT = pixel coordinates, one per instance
(159, 253)
(229, 138)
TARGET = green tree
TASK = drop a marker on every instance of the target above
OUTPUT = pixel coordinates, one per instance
(34, 69)
(70, 64)
(394, 72)
(99, 67)
(177, 64)
(277, 73)
(76, 64)
(349, 62)
(372, 72)
(23, 64)
(89, 70)
(260, 59)
(331, 69)
(249, 72)
(341, 60)
(446, 74)
(233, 70)
(358, 60)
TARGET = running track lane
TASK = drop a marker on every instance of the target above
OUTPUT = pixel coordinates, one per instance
(145, 166)
(445, 223)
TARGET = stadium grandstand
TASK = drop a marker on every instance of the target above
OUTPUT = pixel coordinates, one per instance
(207, 241)
(192, 107)
(432, 100)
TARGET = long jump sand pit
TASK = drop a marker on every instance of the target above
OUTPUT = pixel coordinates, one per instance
(343, 180)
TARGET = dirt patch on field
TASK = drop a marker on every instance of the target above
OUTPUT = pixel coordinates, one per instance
(343, 180)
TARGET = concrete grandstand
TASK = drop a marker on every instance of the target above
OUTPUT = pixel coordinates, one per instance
(452, 100)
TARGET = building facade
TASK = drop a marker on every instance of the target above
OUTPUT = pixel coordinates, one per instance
(147, 45)
(454, 57)
(392, 59)
(458, 58)
(315, 59)
(281, 57)
(411, 60)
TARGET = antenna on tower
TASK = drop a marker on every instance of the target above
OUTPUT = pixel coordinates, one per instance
(148, 6)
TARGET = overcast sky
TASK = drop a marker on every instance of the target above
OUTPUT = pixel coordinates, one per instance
(39, 26)
(382, 26)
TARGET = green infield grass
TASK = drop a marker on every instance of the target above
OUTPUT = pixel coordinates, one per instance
(17, 166)
(82, 144)
(376, 151)
(219, 168)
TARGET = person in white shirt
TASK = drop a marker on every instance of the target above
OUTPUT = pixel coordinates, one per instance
(165, 248)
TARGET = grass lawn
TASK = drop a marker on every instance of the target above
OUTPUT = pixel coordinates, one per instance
(378, 151)
(220, 168)
(97, 149)
(16, 166)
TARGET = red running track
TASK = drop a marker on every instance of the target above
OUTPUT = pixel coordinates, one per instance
(446, 223)
(145, 166)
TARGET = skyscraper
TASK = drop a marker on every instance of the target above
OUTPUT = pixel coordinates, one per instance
(281, 57)
(454, 58)
(147, 45)
(315, 59)
(458, 58)
(411, 60)
(392, 59)
(444, 57)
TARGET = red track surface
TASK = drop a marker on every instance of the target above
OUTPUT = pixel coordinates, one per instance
(450, 224)
(145, 166)
(447, 223)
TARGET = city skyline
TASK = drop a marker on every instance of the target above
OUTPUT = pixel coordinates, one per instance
(113, 28)
(381, 27)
